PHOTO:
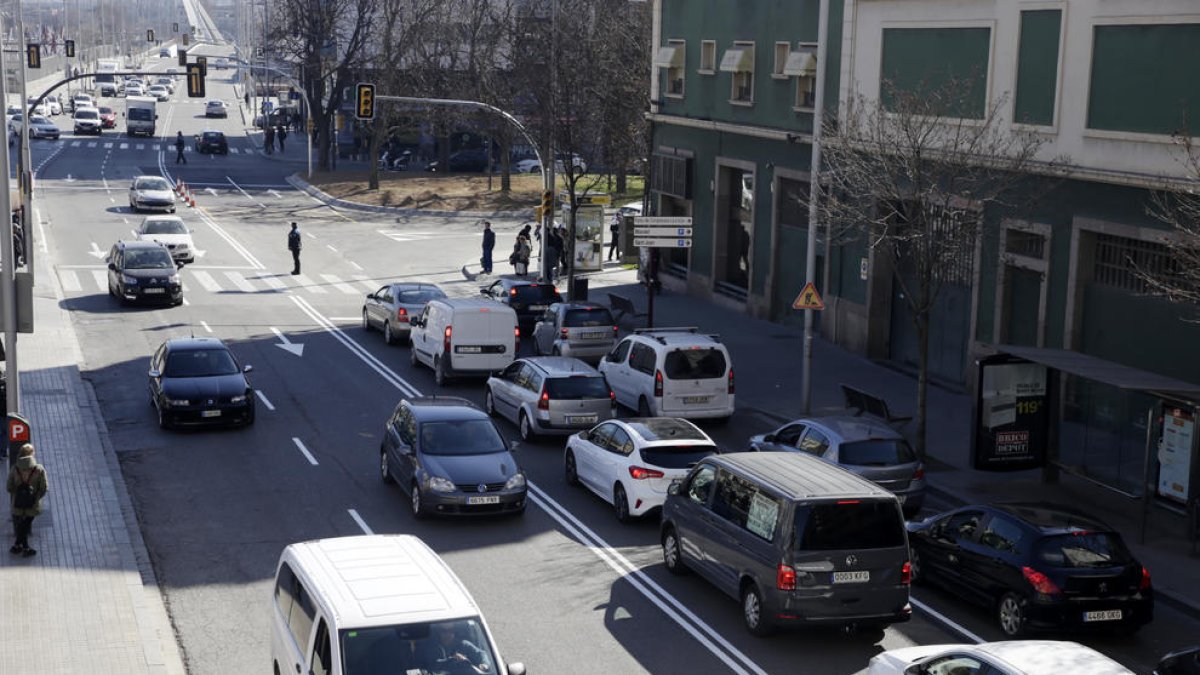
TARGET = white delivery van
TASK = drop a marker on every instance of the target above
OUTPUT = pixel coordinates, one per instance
(464, 336)
(140, 114)
(376, 604)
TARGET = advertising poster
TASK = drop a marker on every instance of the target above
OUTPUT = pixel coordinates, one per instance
(589, 237)
(1012, 415)
(1175, 454)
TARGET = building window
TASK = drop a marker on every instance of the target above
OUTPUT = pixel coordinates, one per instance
(708, 57)
(1124, 263)
(672, 59)
(782, 51)
(739, 61)
(1023, 243)
(802, 65)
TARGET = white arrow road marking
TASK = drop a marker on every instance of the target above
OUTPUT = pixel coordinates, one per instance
(287, 345)
(96, 252)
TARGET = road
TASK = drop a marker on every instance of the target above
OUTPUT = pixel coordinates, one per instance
(566, 587)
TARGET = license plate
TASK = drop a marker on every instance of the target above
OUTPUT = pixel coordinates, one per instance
(581, 419)
(537, 308)
(851, 577)
(493, 499)
(593, 336)
(210, 413)
(696, 399)
(468, 350)
(1103, 615)
(155, 290)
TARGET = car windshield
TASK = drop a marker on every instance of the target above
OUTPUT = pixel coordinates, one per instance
(876, 452)
(38, 119)
(849, 524)
(200, 363)
(454, 646)
(418, 296)
(165, 227)
(151, 184)
(155, 258)
(695, 364)
(543, 293)
(105, 110)
(141, 114)
(679, 456)
(86, 115)
(586, 318)
(461, 437)
(577, 388)
(1084, 549)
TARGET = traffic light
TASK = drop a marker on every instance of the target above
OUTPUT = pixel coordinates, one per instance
(547, 202)
(365, 110)
(195, 81)
(33, 55)
(183, 57)
(202, 61)
(175, 27)
(149, 35)
(70, 45)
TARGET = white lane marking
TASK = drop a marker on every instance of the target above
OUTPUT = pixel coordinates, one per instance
(101, 278)
(124, 146)
(70, 282)
(140, 146)
(234, 150)
(331, 248)
(37, 215)
(239, 189)
(345, 318)
(361, 523)
(90, 145)
(237, 246)
(105, 181)
(206, 281)
(263, 397)
(366, 283)
(356, 266)
(358, 350)
(108, 145)
(308, 455)
(310, 235)
(308, 285)
(942, 618)
(240, 281)
(206, 326)
(276, 194)
(336, 282)
(185, 302)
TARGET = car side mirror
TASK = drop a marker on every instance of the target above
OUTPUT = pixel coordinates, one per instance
(247, 368)
(154, 373)
(516, 669)
(675, 487)
(179, 264)
(769, 438)
(112, 266)
(370, 296)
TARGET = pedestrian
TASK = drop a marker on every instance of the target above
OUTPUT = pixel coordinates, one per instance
(550, 264)
(27, 485)
(180, 144)
(614, 229)
(281, 135)
(523, 252)
(489, 243)
(269, 139)
(294, 245)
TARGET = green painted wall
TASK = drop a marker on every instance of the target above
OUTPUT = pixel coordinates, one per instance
(1158, 340)
(923, 61)
(1037, 66)
(1143, 78)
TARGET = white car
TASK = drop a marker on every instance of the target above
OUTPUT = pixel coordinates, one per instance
(532, 165)
(151, 193)
(87, 121)
(170, 231)
(39, 127)
(671, 372)
(167, 82)
(1014, 657)
(216, 108)
(41, 108)
(630, 463)
(630, 209)
(53, 105)
(82, 101)
(159, 92)
(134, 89)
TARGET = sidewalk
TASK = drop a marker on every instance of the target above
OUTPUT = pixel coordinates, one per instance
(88, 601)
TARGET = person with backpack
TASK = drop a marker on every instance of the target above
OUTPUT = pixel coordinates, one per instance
(27, 485)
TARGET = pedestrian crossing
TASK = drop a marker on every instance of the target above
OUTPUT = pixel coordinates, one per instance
(77, 280)
(152, 147)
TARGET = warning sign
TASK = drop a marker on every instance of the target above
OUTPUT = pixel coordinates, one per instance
(809, 298)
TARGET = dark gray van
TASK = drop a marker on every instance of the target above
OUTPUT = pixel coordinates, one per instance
(796, 539)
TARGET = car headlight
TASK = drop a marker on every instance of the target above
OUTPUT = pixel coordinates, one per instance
(517, 481)
(439, 484)
(178, 401)
(237, 399)
(174, 279)
(128, 280)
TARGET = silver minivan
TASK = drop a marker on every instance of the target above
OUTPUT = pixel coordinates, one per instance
(584, 330)
(550, 395)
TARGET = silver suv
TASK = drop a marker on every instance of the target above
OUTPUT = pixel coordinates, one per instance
(548, 395)
(584, 330)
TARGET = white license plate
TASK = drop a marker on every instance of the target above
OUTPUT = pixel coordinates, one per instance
(1102, 615)
(469, 350)
(593, 336)
(696, 399)
(210, 413)
(537, 308)
(155, 290)
(581, 419)
(493, 499)
(851, 577)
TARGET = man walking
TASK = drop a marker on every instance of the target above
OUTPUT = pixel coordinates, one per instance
(180, 144)
(489, 243)
(294, 246)
(27, 485)
(614, 229)
(269, 139)
(281, 135)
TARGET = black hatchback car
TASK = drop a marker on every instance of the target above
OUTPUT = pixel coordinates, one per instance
(195, 381)
(1036, 565)
(143, 271)
(212, 142)
(529, 299)
(450, 459)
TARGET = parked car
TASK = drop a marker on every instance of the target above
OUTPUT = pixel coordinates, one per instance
(198, 381)
(1013, 657)
(143, 271)
(108, 117)
(450, 459)
(549, 395)
(87, 121)
(151, 193)
(391, 307)
(631, 463)
(170, 231)
(1038, 566)
(584, 330)
(1182, 662)
(532, 165)
(864, 445)
(164, 53)
(212, 142)
(216, 108)
(529, 299)
(630, 209)
(672, 372)
(469, 160)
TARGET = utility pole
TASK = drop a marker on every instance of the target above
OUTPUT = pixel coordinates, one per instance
(814, 197)
(552, 128)
(25, 173)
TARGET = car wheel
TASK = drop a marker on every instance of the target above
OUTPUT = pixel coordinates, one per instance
(672, 557)
(644, 408)
(621, 504)
(164, 421)
(753, 613)
(439, 372)
(366, 324)
(915, 571)
(1011, 615)
(570, 471)
(415, 504)
(488, 404)
(385, 473)
(526, 428)
(388, 337)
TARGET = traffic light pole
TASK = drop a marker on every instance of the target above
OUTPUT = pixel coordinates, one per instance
(8, 280)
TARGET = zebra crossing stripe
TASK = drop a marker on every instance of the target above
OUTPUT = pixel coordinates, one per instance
(308, 285)
(240, 281)
(371, 286)
(274, 283)
(234, 150)
(75, 144)
(101, 278)
(205, 279)
(70, 282)
(92, 144)
(124, 146)
(140, 146)
(336, 282)
(108, 145)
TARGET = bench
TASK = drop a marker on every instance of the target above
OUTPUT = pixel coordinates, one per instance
(871, 405)
(623, 306)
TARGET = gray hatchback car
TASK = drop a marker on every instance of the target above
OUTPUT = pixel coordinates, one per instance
(550, 395)
(584, 330)
(864, 445)
(390, 308)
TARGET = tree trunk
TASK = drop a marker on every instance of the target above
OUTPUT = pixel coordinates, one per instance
(622, 183)
(922, 322)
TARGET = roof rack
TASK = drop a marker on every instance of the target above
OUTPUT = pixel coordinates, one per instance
(678, 329)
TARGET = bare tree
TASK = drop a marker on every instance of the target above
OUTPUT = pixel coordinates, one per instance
(915, 174)
(1178, 206)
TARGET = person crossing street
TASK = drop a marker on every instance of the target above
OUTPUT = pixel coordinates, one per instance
(294, 245)
(180, 144)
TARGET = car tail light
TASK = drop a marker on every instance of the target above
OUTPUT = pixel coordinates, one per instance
(731, 381)
(1040, 582)
(544, 400)
(906, 574)
(642, 473)
(658, 383)
(612, 399)
(402, 315)
(565, 333)
(512, 292)
(446, 340)
(614, 332)
(785, 578)
(516, 340)
(919, 474)
(1144, 584)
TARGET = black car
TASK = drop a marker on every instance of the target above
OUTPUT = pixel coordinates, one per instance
(1182, 662)
(529, 299)
(212, 142)
(473, 160)
(1036, 565)
(195, 381)
(450, 459)
(143, 271)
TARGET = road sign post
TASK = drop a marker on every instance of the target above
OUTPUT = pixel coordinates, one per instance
(653, 232)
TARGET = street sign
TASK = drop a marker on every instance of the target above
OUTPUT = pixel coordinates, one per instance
(809, 298)
(662, 231)
(662, 242)
(668, 221)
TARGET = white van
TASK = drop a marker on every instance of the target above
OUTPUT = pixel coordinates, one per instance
(671, 372)
(375, 604)
(464, 336)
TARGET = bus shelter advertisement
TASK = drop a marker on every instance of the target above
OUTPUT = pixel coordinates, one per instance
(1012, 415)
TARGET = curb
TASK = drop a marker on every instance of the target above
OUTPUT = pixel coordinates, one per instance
(300, 184)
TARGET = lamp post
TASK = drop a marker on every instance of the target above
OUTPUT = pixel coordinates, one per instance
(814, 196)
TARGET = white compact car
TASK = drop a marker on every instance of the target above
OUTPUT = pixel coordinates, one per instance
(170, 231)
(671, 372)
(630, 463)
(151, 193)
(159, 92)
(1014, 657)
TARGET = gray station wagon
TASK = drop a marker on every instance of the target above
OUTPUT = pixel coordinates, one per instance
(584, 330)
(550, 395)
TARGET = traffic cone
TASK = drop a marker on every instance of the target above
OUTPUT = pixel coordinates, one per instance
(179, 187)
(191, 198)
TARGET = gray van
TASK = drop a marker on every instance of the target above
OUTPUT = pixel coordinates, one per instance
(796, 539)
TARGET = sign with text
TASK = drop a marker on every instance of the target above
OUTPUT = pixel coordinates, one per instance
(1012, 414)
(662, 221)
(662, 231)
(660, 242)
(1175, 454)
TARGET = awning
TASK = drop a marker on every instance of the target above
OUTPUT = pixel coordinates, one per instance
(738, 60)
(1097, 369)
(669, 57)
(802, 63)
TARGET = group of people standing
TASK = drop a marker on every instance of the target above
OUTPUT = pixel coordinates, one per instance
(554, 261)
(272, 134)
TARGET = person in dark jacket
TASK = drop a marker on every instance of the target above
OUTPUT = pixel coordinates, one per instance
(489, 243)
(614, 229)
(553, 249)
(180, 144)
(26, 471)
(294, 245)
(269, 139)
(281, 136)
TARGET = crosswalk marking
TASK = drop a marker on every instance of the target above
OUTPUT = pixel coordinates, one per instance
(108, 145)
(92, 144)
(336, 282)
(273, 282)
(75, 144)
(240, 281)
(307, 284)
(234, 150)
(371, 286)
(75, 280)
(140, 146)
(124, 146)
(70, 281)
(205, 279)
(101, 278)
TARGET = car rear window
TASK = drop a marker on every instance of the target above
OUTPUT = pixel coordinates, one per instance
(575, 388)
(849, 524)
(586, 318)
(532, 294)
(214, 136)
(1083, 549)
(420, 296)
(695, 364)
(679, 456)
(876, 452)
